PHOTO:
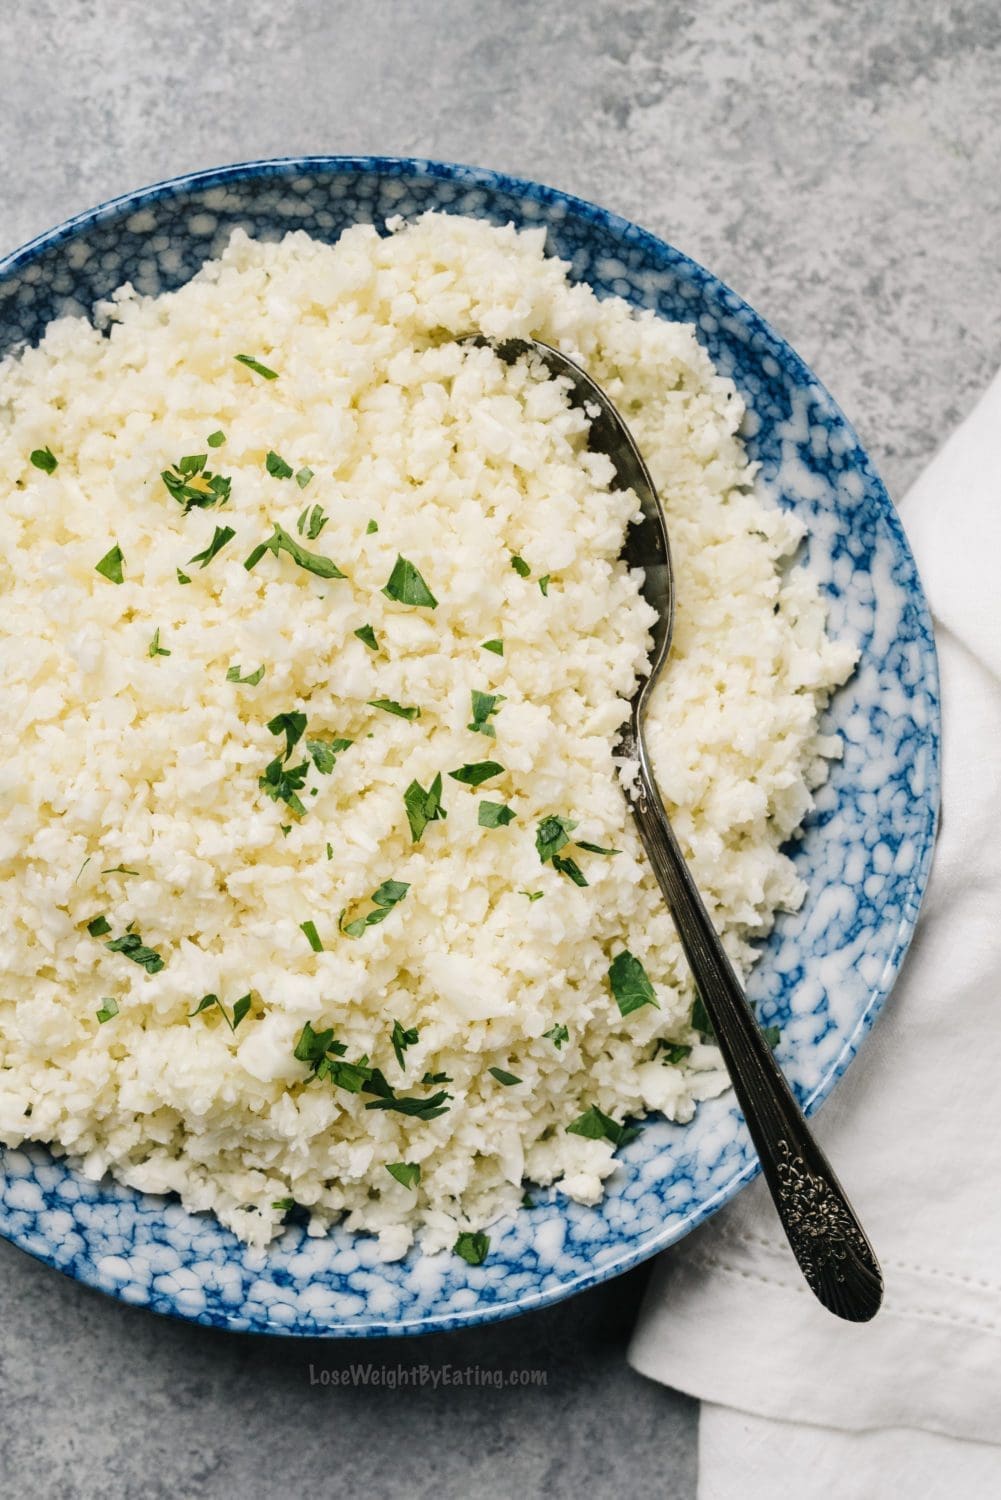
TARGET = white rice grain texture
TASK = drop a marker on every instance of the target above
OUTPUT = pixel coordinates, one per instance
(129, 781)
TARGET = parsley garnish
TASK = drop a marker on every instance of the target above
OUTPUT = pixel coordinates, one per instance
(674, 1052)
(484, 706)
(700, 1019)
(423, 807)
(330, 851)
(251, 679)
(282, 783)
(98, 926)
(110, 566)
(570, 868)
(504, 1077)
(597, 1126)
(390, 707)
(182, 577)
(216, 439)
(312, 936)
(472, 1247)
(220, 537)
(389, 894)
(371, 527)
(553, 834)
(520, 566)
(595, 848)
(403, 1037)
(302, 478)
(772, 1036)
(44, 459)
(131, 945)
(119, 870)
(557, 1035)
(312, 521)
(108, 1011)
(406, 585)
(420, 1109)
(497, 647)
(314, 1045)
(283, 1205)
(527, 1201)
(630, 983)
(477, 773)
(436, 1078)
(276, 465)
(406, 1172)
(155, 649)
(532, 895)
(324, 753)
(292, 726)
(256, 366)
(495, 815)
(191, 485)
(240, 1009)
(544, 584)
(322, 567)
(367, 635)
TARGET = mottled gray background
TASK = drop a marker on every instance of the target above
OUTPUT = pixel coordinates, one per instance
(840, 166)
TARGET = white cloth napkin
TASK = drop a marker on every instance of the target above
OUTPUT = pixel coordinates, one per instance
(803, 1404)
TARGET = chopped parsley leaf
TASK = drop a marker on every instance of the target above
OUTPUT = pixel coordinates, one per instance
(544, 584)
(311, 521)
(495, 815)
(436, 1078)
(473, 1248)
(700, 1019)
(389, 894)
(314, 1045)
(292, 726)
(283, 783)
(406, 585)
(595, 1125)
(423, 807)
(532, 895)
(520, 566)
(110, 566)
(408, 1173)
(504, 1077)
(251, 679)
(570, 868)
(673, 1052)
(324, 753)
(220, 537)
(182, 577)
(419, 1109)
(109, 1009)
(284, 1205)
(276, 465)
(98, 926)
(553, 834)
(302, 478)
(372, 526)
(557, 1035)
(131, 945)
(595, 848)
(390, 707)
(312, 936)
(497, 647)
(367, 636)
(256, 366)
(330, 851)
(484, 706)
(630, 983)
(403, 1037)
(216, 439)
(119, 870)
(527, 1201)
(772, 1036)
(240, 1009)
(155, 649)
(477, 773)
(280, 541)
(191, 485)
(44, 459)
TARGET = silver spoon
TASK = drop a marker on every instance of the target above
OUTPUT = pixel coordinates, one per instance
(820, 1224)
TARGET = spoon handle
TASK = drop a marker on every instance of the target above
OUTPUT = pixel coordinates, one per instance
(820, 1224)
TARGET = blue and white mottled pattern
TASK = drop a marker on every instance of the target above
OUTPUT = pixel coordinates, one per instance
(865, 857)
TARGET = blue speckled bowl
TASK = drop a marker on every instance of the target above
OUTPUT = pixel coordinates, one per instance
(865, 858)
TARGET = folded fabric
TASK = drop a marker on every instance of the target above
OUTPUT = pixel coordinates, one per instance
(914, 1131)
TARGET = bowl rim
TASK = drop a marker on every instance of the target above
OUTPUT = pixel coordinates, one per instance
(473, 177)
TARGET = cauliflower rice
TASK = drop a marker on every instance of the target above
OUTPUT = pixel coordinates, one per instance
(176, 856)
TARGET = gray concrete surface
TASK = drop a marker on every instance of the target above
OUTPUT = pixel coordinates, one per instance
(840, 165)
